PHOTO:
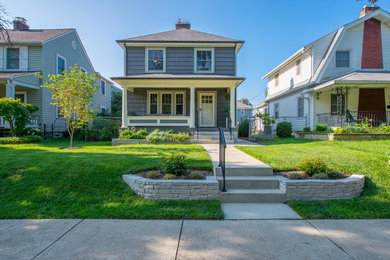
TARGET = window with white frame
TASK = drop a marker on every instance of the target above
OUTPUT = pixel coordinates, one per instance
(166, 103)
(153, 103)
(276, 110)
(342, 59)
(155, 60)
(301, 107)
(13, 58)
(61, 64)
(103, 87)
(179, 106)
(204, 60)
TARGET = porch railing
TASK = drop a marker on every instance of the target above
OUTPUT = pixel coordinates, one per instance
(2, 122)
(354, 117)
(222, 147)
(32, 123)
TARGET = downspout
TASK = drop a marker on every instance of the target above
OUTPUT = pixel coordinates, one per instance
(311, 76)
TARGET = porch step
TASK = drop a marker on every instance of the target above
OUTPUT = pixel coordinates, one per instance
(245, 171)
(249, 182)
(253, 196)
(210, 141)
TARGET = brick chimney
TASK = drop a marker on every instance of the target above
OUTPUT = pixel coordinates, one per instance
(20, 24)
(366, 10)
(183, 25)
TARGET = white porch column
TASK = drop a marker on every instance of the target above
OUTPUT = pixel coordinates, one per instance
(192, 106)
(10, 89)
(233, 105)
(124, 107)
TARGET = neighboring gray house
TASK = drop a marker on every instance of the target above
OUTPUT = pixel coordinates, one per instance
(243, 111)
(45, 51)
(180, 79)
(102, 99)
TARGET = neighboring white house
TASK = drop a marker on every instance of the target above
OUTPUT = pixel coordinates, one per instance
(343, 77)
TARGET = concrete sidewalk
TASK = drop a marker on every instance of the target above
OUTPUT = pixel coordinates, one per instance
(194, 239)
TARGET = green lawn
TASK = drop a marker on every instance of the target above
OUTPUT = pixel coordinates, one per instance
(45, 181)
(369, 158)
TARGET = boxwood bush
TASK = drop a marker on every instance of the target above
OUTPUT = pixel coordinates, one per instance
(312, 165)
(243, 128)
(133, 134)
(284, 129)
(321, 128)
(174, 164)
(21, 140)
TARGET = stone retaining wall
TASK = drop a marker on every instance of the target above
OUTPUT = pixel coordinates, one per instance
(348, 188)
(174, 189)
(342, 137)
(312, 136)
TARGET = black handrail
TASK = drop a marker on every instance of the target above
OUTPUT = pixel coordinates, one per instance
(222, 147)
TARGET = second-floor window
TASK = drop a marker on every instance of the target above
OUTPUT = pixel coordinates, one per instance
(342, 59)
(13, 58)
(155, 60)
(298, 67)
(103, 87)
(204, 60)
(61, 64)
(276, 79)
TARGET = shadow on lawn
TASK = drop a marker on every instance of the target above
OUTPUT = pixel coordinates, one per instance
(290, 140)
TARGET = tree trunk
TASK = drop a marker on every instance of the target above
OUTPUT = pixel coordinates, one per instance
(11, 126)
(71, 140)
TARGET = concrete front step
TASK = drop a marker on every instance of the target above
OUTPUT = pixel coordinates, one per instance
(245, 171)
(249, 182)
(210, 141)
(253, 196)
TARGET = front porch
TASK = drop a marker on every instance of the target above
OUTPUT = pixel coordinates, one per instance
(180, 104)
(337, 106)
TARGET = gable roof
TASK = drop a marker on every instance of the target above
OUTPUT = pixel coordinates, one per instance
(35, 36)
(181, 35)
(338, 35)
(241, 105)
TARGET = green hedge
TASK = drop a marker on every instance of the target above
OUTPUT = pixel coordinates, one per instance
(21, 140)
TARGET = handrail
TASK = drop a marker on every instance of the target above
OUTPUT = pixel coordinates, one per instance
(222, 147)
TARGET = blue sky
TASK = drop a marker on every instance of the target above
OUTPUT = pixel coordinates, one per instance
(272, 30)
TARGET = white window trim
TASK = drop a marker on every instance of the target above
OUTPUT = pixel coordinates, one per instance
(335, 59)
(159, 101)
(23, 93)
(62, 57)
(6, 58)
(147, 60)
(184, 102)
(212, 60)
(148, 102)
(105, 88)
(82, 68)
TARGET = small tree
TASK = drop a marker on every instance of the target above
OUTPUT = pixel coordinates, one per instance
(16, 113)
(72, 92)
(116, 103)
(267, 120)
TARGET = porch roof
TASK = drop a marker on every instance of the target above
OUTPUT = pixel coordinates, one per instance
(358, 77)
(14, 74)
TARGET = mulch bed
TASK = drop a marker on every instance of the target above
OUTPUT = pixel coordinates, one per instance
(304, 174)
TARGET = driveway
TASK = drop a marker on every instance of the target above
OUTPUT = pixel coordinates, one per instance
(194, 239)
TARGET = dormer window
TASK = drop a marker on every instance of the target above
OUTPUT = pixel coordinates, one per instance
(155, 60)
(204, 60)
(13, 58)
(342, 59)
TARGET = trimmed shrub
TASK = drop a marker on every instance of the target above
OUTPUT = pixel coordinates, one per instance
(159, 136)
(339, 130)
(243, 128)
(295, 176)
(21, 140)
(284, 129)
(312, 165)
(174, 164)
(321, 128)
(180, 137)
(169, 176)
(306, 129)
(196, 175)
(132, 134)
(320, 176)
(152, 175)
(336, 175)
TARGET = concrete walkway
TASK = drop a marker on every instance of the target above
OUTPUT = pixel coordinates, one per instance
(193, 239)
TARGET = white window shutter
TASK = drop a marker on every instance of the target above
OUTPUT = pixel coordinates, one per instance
(23, 58)
(2, 58)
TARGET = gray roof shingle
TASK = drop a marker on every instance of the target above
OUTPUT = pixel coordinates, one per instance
(181, 35)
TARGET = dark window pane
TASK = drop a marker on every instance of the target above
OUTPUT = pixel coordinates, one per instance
(60, 65)
(179, 109)
(155, 60)
(103, 87)
(342, 59)
(13, 58)
(153, 109)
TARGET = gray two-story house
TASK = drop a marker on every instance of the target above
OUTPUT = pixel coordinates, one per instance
(44, 51)
(180, 79)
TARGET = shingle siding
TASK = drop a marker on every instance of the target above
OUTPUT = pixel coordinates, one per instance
(180, 60)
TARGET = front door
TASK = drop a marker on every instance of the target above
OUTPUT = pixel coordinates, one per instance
(372, 105)
(207, 109)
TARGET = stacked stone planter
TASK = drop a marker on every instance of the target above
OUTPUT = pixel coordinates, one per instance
(347, 188)
(207, 189)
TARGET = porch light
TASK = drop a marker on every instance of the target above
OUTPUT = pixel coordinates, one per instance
(155, 61)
